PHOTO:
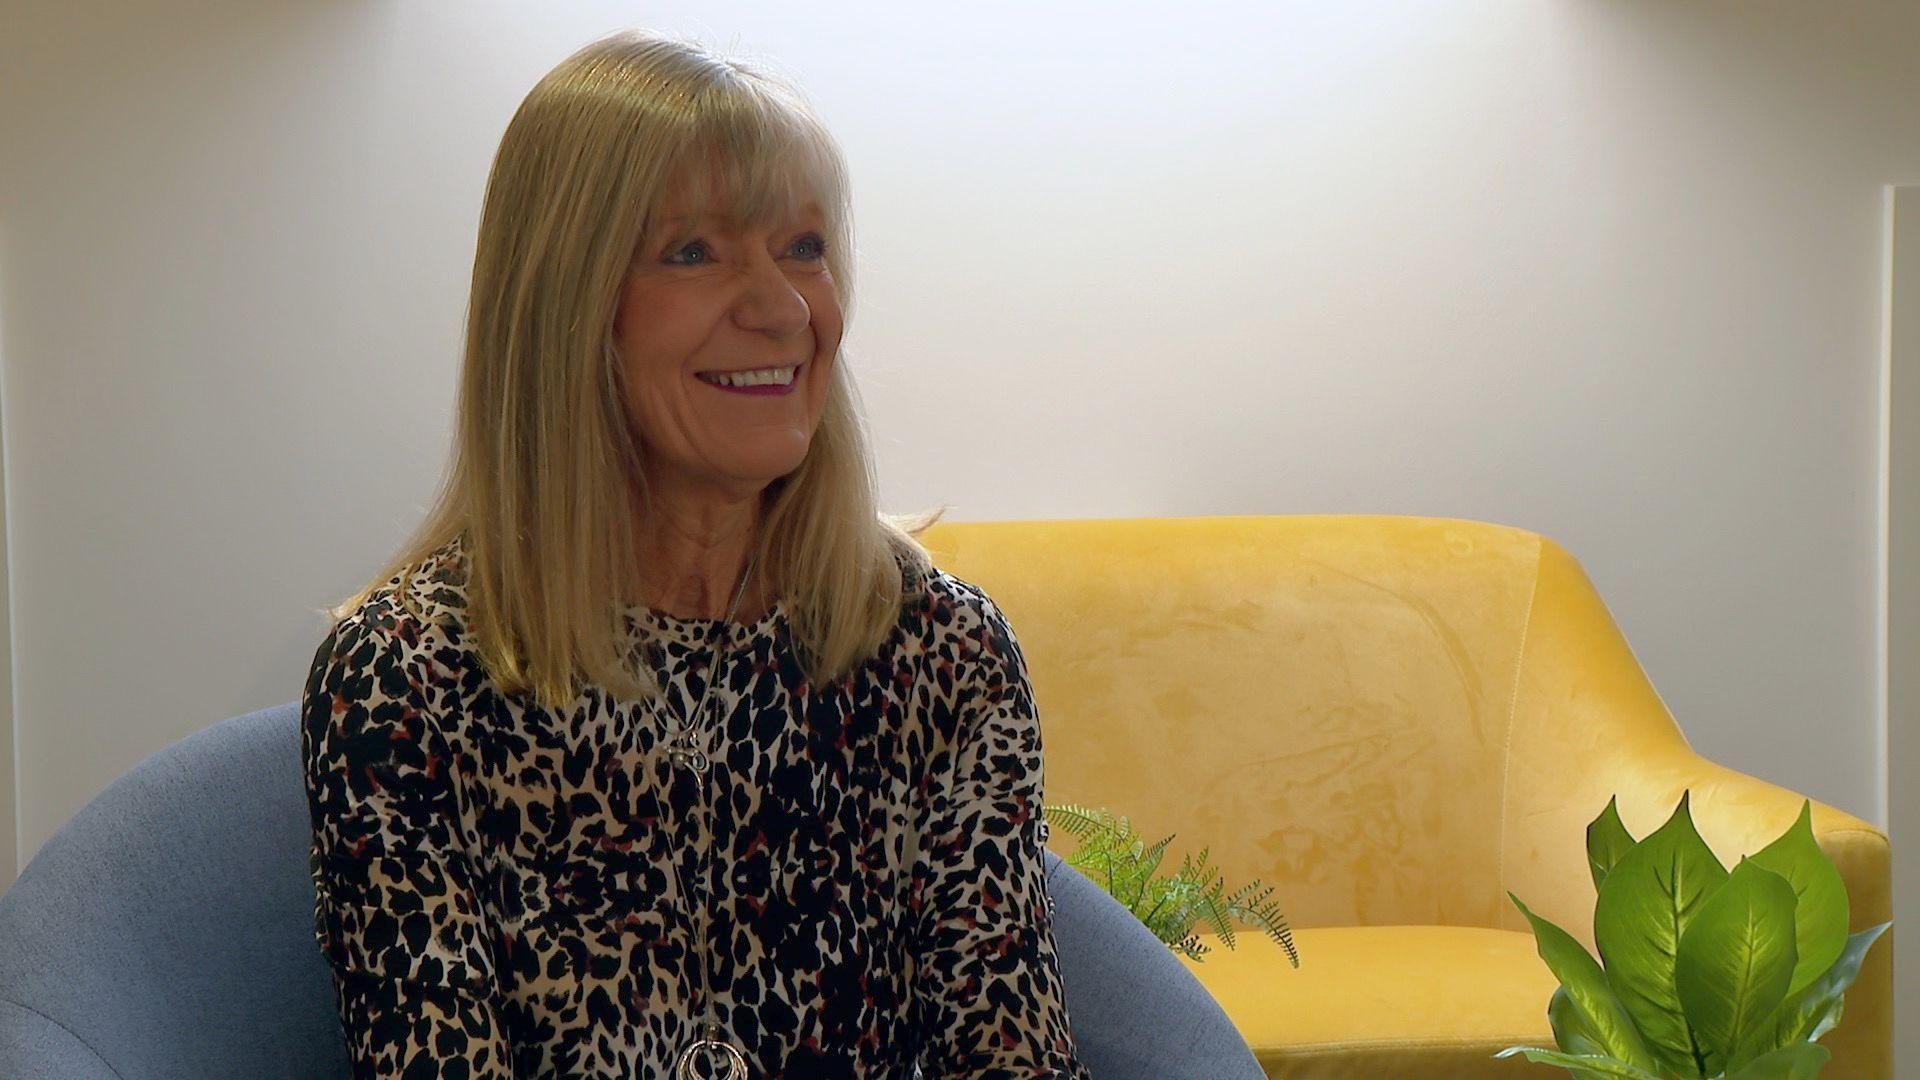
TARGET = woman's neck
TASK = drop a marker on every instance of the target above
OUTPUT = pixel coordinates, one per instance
(691, 562)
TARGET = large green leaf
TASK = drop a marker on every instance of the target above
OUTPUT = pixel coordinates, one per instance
(1607, 840)
(1581, 1064)
(1646, 903)
(1814, 1011)
(1603, 1020)
(1820, 906)
(1570, 1031)
(1799, 1062)
(1734, 963)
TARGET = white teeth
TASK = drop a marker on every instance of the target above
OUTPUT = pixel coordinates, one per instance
(763, 377)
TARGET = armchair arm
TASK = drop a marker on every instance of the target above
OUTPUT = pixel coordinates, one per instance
(31, 1044)
(1587, 726)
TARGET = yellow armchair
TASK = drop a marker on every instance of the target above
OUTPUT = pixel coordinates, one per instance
(1393, 721)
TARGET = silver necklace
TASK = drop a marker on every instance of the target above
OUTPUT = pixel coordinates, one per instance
(711, 1044)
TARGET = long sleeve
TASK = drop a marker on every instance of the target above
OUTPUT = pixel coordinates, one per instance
(396, 912)
(987, 994)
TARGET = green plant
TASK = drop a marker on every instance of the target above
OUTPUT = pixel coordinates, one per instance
(1707, 973)
(1113, 856)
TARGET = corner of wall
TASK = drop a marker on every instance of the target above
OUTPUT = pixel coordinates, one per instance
(1899, 580)
(9, 737)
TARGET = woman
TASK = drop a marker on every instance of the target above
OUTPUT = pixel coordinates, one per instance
(658, 751)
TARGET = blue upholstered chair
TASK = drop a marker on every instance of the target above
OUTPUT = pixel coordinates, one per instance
(167, 931)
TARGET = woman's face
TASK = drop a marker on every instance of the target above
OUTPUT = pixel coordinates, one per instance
(702, 299)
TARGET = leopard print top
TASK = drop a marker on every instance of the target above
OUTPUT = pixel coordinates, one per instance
(495, 886)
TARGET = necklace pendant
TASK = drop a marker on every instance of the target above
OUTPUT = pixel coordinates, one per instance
(706, 1050)
(689, 758)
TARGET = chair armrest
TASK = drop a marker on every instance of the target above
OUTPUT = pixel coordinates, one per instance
(1587, 726)
(1137, 1012)
(33, 1045)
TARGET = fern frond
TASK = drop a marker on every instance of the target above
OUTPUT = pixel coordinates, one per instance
(1111, 851)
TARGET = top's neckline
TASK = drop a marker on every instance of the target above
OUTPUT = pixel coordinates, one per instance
(639, 613)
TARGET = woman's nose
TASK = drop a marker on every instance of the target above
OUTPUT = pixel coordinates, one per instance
(768, 301)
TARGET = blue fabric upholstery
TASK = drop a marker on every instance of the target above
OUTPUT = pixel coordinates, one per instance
(167, 931)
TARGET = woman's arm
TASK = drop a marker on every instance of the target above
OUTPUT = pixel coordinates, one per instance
(987, 996)
(396, 912)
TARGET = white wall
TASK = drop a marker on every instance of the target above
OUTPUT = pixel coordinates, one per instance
(1608, 271)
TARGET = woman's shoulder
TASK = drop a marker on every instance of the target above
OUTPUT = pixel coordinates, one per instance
(399, 640)
(421, 605)
(969, 640)
(960, 608)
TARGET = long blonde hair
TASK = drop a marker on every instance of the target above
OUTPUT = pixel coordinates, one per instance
(544, 471)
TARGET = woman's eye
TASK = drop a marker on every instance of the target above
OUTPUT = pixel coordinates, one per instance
(696, 245)
(818, 249)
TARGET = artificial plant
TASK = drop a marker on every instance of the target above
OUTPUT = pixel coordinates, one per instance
(1113, 855)
(1703, 973)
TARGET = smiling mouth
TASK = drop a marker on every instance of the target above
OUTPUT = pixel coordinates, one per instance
(752, 377)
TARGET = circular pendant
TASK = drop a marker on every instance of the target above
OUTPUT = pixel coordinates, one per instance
(733, 1065)
(688, 759)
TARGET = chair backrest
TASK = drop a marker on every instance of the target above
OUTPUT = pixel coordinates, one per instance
(167, 927)
(1321, 701)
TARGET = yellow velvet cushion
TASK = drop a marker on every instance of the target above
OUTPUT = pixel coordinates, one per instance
(1371, 1001)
